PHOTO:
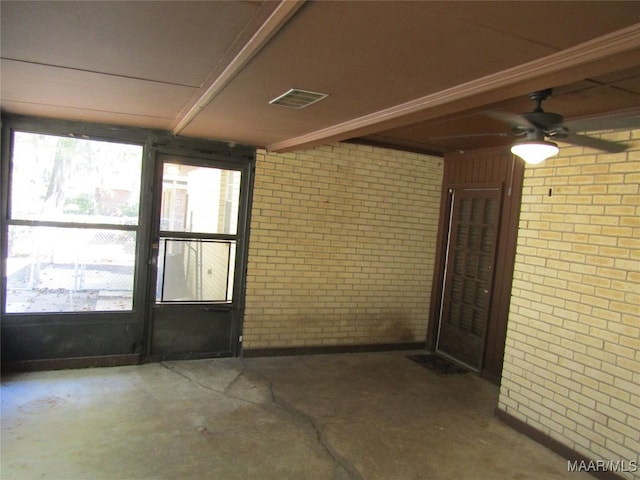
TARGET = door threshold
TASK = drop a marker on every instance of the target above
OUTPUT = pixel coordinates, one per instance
(457, 361)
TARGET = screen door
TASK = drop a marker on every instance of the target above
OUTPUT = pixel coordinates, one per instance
(195, 310)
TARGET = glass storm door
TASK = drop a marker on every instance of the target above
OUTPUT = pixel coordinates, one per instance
(471, 252)
(195, 312)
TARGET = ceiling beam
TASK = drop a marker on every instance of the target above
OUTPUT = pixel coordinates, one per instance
(596, 56)
(278, 18)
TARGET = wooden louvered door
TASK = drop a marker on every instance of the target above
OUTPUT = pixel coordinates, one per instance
(470, 264)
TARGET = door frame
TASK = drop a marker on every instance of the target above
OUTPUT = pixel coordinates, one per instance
(489, 166)
(201, 153)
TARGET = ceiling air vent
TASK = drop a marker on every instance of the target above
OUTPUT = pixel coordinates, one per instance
(296, 98)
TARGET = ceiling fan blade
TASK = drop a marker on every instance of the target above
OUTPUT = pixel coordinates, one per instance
(623, 122)
(591, 142)
(473, 135)
(511, 118)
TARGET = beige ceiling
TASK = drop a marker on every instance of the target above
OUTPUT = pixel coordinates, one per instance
(405, 74)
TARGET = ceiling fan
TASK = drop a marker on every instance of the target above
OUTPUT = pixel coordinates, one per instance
(539, 128)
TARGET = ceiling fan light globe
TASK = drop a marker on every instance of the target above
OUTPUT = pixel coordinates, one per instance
(535, 152)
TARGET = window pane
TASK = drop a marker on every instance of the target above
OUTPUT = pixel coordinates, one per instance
(195, 270)
(74, 180)
(69, 269)
(199, 199)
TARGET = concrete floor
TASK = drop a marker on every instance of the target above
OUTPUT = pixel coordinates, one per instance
(353, 416)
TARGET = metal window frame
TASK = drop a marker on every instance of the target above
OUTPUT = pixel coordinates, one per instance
(118, 135)
(108, 333)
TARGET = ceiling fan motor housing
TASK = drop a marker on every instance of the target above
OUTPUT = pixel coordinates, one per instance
(545, 120)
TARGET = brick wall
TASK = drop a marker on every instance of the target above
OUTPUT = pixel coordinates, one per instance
(572, 361)
(342, 247)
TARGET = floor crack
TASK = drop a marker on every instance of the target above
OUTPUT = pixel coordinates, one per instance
(224, 391)
(235, 379)
(324, 443)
